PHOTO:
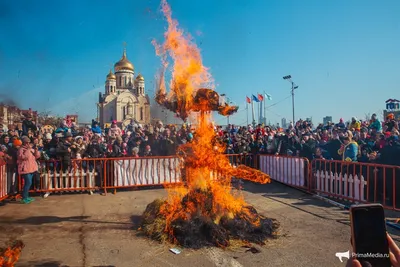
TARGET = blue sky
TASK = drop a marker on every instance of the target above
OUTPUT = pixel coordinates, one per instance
(54, 55)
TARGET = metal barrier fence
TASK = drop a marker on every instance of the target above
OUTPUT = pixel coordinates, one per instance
(103, 173)
(351, 181)
(249, 160)
(4, 184)
(54, 176)
(357, 182)
(293, 171)
(83, 175)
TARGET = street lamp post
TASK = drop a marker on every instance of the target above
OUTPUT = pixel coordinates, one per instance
(294, 86)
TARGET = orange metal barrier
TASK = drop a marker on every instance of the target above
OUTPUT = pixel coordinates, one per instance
(293, 171)
(352, 181)
(249, 160)
(54, 176)
(113, 173)
(357, 182)
(4, 184)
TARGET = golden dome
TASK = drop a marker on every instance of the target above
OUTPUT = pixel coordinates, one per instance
(111, 76)
(124, 63)
(140, 77)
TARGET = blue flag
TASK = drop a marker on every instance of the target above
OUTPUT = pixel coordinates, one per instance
(255, 98)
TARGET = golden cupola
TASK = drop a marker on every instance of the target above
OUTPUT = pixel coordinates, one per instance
(111, 76)
(140, 77)
(123, 63)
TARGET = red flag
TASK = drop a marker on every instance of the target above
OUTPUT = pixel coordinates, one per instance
(248, 100)
(260, 97)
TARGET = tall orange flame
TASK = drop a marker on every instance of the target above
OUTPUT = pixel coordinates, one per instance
(188, 72)
(208, 169)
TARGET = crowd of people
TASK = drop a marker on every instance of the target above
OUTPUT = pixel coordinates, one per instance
(361, 141)
(356, 141)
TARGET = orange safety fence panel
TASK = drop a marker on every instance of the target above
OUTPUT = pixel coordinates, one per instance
(357, 182)
(4, 183)
(56, 176)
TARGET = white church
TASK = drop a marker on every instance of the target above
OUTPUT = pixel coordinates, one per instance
(124, 98)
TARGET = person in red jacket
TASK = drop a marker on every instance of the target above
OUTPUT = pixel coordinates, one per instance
(27, 166)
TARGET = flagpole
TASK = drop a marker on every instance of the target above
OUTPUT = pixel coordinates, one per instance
(265, 108)
(260, 117)
(252, 111)
(247, 113)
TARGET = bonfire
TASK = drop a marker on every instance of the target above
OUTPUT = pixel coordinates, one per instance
(205, 211)
(10, 255)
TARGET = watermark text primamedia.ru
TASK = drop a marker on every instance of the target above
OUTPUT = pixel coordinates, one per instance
(369, 255)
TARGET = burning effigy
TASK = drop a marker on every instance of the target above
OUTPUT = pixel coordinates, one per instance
(205, 210)
(205, 100)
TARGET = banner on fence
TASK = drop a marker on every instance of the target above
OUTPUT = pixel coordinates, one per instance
(147, 171)
(291, 171)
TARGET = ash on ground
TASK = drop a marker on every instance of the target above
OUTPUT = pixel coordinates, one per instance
(205, 229)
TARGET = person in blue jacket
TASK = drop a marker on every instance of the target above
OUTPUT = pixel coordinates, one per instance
(96, 128)
(349, 150)
(62, 129)
(375, 124)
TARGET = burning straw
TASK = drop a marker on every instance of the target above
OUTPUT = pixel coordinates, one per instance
(205, 211)
(10, 255)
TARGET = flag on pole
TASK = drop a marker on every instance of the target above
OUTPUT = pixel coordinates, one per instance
(248, 100)
(260, 97)
(269, 97)
(255, 99)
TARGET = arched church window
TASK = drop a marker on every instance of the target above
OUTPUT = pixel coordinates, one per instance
(126, 82)
(120, 81)
(141, 113)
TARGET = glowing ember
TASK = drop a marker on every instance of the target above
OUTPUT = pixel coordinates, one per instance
(10, 255)
(205, 211)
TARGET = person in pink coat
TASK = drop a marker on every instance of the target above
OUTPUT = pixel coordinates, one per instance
(27, 166)
(114, 130)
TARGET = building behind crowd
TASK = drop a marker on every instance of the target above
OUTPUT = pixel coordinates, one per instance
(125, 97)
(392, 106)
(11, 116)
(327, 119)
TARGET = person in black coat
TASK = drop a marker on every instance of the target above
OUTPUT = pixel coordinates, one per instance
(168, 144)
(27, 125)
(117, 150)
(333, 147)
(94, 149)
(307, 147)
(390, 155)
(63, 152)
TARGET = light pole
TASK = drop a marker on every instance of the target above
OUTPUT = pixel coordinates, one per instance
(294, 86)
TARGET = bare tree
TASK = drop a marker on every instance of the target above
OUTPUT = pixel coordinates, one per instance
(367, 116)
(45, 118)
